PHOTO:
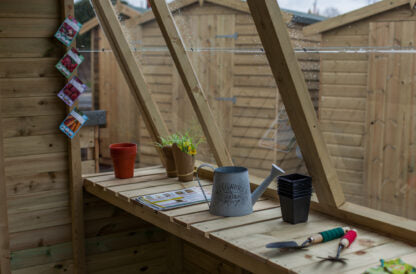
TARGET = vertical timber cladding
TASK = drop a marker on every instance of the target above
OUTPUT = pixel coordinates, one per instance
(391, 119)
(347, 109)
(36, 159)
(225, 76)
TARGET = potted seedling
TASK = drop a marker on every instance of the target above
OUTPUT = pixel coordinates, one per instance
(184, 151)
(166, 146)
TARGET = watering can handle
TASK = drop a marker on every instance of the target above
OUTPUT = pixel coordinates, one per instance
(199, 183)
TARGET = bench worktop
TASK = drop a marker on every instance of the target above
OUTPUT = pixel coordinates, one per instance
(242, 240)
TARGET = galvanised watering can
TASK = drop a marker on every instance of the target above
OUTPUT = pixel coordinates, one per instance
(231, 195)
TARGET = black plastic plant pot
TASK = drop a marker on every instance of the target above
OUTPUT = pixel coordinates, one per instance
(295, 180)
(296, 210)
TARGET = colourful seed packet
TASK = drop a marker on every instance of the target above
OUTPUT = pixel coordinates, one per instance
(396, 266)
(72, 90)
(71, 60)
(73, 123)
(68, 31)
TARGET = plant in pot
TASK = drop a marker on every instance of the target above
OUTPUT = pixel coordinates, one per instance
(166, 146)
(184, 151)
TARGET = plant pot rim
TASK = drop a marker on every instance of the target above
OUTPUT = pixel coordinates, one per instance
(122, 146)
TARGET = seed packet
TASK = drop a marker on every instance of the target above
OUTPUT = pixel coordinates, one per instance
(396, 266)
(73, 123)
(71, 91)
(68, 31)
(71, 60)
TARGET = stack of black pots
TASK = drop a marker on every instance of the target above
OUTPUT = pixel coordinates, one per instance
(295, 192)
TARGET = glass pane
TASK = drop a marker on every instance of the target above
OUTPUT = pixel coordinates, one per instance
(359, 75)
(227, 56)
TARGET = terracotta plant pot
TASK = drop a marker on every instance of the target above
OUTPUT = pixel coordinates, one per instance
(124, 157)
(184, 164)
(170, 162)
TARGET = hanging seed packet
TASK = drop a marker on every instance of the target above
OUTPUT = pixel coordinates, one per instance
(71, 60)
(68, 31)
(73, 123)
(71, 91)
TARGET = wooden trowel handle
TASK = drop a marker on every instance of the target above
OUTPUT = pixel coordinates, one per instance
(328, 235)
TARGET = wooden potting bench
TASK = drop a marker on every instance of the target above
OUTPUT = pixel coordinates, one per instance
(242, 240)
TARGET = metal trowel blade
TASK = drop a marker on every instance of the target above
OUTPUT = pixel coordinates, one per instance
(290, 244)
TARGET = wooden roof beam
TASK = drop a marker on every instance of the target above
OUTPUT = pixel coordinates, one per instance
(353, 16)
(131, 71)
(190, 81)
(295, 96)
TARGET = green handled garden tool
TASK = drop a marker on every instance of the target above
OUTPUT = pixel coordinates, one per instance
(321, 237)
(345, 242)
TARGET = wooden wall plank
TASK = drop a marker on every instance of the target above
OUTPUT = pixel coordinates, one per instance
(28, 47)
(28, 67)
(30, 87)
(34, 145)
(38, 9)
(276, 42)
(35, 106)
(28, 27)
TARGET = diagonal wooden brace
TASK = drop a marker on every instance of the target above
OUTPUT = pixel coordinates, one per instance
(295, 96)
(190, 81)
(131, 71)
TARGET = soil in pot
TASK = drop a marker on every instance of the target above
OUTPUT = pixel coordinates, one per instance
(170, 162)
(184, 164)
(124, 157)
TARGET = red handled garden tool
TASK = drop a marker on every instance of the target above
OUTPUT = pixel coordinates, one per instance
(345, 242)
(321, 237)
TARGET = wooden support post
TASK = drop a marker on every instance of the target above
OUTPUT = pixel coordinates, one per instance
(131, 71)
(75, 183)
(4, 223)
(190, 80)
(175, 256)
(295, 96)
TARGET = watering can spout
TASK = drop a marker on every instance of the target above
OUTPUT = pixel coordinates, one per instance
(262, 188)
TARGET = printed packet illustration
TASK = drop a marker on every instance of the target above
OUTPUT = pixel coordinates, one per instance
(73, 123)
(68, 30)
(71, 60)
(72, 90)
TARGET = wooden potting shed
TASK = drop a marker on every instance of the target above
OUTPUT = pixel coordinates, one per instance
(238, 83)
(54, 220)
(368, 106)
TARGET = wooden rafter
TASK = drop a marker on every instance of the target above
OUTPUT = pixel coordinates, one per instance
(75, 184)
(190, 81)
(354, 16)
(131, 71)
(295, 96)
